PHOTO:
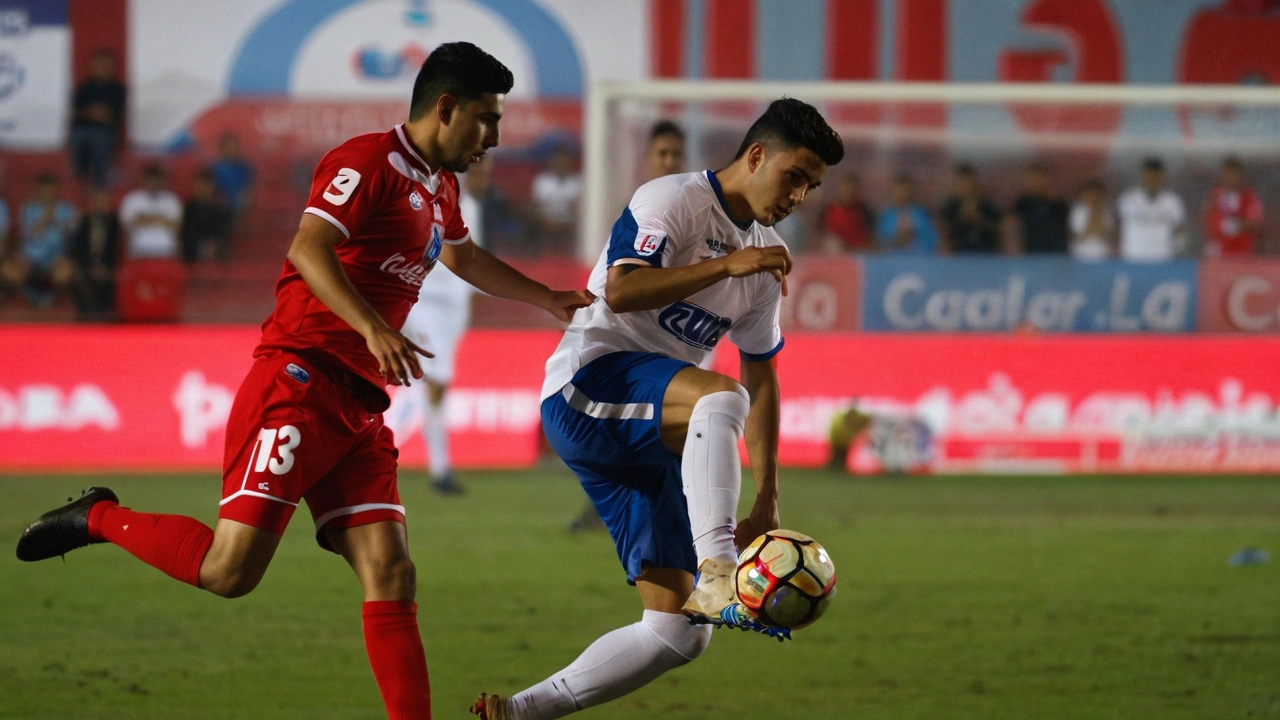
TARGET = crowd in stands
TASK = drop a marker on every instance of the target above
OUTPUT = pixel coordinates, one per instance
(1147, 222)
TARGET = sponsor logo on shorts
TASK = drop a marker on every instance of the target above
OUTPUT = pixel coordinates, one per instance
(297, 373)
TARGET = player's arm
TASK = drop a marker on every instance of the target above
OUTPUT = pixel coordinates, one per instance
(633, 287)
(493, 276)
(760, 378)
(312, 253)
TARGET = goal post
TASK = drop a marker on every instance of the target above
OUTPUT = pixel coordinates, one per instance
(921, 129)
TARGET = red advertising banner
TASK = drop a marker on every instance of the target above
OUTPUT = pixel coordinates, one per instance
(151, 398)
(822, 294)
(1035, 403)
(1240, 295)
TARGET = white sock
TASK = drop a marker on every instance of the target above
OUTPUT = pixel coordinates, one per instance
(712, 471)
(618, 663)
(435, 433)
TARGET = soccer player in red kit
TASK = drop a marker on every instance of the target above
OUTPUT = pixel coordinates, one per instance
(307, 421)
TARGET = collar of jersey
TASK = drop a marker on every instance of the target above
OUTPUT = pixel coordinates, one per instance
(404, 140)
(715, 185)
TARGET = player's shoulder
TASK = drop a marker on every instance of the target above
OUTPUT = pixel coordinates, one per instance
(369, 150)
(671, 196)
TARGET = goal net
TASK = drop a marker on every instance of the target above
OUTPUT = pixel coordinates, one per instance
(921, 130)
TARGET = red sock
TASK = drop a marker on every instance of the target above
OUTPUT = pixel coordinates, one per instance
(399, 664)
(174, 544)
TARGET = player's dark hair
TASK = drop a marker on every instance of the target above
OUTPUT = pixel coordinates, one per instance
(664, 127)
(1232, 163)
(1154, 164)
(966, 169)
(792, 123)
(461, 70)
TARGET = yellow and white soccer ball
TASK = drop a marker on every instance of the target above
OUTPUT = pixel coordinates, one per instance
(786, 578)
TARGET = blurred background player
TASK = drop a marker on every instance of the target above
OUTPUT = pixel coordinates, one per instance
(437, 322)
(664, 156)
(307, 421)
(1151, 218)
(652, 437)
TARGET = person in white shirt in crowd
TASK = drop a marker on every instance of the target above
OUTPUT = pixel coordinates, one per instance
(1093, 226)
(437, 323)
(151, 216)
(1151, 218)
(556, 194)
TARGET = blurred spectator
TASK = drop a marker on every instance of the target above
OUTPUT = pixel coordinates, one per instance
(556, 192)
(905, 226)
(504, 226)
(206, 222)
(1093, 227)
(40, 267)
(1039, 217)
(232, 175)
(97, 116)
(151, 216)
(666, 150)
(848, 224)
(4, 228)
(970, 221)
(1151, 218)
(95, 250)
(1232, 215)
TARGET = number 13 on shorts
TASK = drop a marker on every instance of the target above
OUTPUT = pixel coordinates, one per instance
(272, 442)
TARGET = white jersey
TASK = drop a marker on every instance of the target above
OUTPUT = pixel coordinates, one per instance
(675, 221)
(1149, 225)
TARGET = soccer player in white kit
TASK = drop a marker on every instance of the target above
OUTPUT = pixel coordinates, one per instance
(437, 323)
(652, 437)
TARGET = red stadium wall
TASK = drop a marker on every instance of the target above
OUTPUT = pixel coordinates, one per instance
(152, 398)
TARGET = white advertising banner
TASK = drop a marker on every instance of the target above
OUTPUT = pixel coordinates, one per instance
(35, 74)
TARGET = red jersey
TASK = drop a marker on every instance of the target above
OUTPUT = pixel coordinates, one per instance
(395, 213)
(1228, 211)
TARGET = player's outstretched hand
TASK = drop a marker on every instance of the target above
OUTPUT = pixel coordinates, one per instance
(396, 354)
(563, 303)
(775, 260)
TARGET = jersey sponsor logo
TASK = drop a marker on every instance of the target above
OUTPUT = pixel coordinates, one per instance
(410, 272)
(695, 326)
(434, 246)
(719, 247)
(297, 373)
(415, 200)
(342, 185)
(648, 244)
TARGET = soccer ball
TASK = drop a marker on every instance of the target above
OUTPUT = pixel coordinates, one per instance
(786, 578)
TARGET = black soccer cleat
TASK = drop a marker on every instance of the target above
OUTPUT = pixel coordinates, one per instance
(60, 531)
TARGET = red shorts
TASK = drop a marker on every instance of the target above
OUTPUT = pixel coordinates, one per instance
(298, 430)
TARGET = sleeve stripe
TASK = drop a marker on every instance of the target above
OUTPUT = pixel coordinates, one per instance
(761, 357)
(332, 220)
(459, 241)
(631, 261)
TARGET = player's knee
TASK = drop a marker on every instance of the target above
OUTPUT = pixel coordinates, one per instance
(674, 631)
(724, 396)
(228, 583)
(393, 576)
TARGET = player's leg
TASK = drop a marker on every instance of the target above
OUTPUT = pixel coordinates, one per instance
(358, 515)
(703, 416)
(438, 324)
(435, 435)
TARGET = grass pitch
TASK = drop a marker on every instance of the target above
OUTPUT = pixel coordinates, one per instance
(959, 598)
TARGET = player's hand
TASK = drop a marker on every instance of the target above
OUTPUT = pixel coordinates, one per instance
(775, 260)
(563, 303)
(763, 518)
(396, 354)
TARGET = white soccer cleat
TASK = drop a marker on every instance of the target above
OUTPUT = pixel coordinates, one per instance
(714, 591)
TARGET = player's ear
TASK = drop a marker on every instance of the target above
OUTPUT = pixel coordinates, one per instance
(445, 105)
(755, 157)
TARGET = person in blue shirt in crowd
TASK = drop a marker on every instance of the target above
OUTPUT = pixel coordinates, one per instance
(232, 176)
(904, 225)
(41, 267)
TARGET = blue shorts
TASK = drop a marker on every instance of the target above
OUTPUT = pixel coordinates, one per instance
(605, 424)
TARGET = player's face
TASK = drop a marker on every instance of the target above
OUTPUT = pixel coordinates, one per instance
(471, 131)
(666, 156)
(781, 181)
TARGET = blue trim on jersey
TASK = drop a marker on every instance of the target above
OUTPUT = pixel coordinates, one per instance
(764, 355)
(623, 239)
(606, 425)
(715, 185)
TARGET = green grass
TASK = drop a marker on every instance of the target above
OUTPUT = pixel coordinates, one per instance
(986, 598)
